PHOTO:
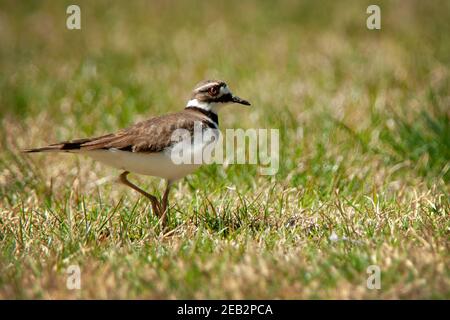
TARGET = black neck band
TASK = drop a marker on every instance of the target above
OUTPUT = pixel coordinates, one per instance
(211, 115)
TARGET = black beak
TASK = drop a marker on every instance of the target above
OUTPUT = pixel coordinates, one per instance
(236, 99)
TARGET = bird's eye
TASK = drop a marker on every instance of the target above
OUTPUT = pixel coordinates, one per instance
(214, 91)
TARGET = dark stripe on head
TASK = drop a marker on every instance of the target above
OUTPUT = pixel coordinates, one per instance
(228, 97)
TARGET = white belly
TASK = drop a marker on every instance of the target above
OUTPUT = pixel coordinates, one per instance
(151, 164)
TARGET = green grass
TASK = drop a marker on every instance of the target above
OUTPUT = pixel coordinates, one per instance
(364, 150)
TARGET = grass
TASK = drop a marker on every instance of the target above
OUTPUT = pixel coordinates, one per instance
(364, 150)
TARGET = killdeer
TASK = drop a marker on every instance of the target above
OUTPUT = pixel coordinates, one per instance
(145, 147)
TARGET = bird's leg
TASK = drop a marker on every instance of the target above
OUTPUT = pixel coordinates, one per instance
(165, 201)
(155, 204)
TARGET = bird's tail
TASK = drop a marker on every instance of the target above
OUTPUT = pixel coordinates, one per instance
(43, 149)
(66, 146)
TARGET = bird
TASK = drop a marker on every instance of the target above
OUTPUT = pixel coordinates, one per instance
(146, 148)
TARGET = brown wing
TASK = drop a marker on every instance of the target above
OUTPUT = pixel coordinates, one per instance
(152, 135)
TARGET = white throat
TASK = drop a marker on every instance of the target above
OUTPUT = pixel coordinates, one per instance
(211, 106)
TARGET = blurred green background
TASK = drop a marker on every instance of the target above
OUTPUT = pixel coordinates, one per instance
(301, 63)
(364, 127)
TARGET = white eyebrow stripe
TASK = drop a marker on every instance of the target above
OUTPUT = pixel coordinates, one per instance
(208, 85)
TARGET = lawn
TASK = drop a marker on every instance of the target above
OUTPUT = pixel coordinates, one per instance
(364, 162)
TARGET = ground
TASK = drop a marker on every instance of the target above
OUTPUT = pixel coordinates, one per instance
(364, 156)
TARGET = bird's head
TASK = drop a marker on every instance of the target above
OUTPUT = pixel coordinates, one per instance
(211, 94)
